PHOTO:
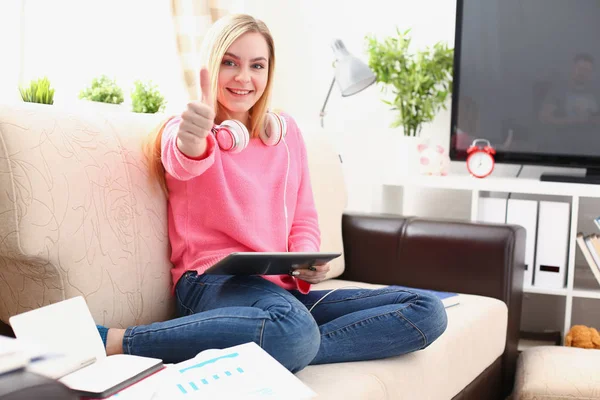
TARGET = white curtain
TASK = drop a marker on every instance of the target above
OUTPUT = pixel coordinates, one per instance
(191, 19)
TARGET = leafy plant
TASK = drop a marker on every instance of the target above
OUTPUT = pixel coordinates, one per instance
(420, 82)
(39, 91)
(146, 98)
(103, 90)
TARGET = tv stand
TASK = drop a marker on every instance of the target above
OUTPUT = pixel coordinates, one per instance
(592, 176)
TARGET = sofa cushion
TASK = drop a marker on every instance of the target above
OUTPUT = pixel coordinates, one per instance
(474, 339)
(78, 215)
(329, 191)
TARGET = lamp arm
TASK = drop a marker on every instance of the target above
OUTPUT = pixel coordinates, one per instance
(326, 100)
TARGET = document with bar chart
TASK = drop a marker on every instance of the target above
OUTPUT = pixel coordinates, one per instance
(241, 372)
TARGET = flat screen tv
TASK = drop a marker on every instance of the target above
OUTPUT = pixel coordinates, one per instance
(527, 78)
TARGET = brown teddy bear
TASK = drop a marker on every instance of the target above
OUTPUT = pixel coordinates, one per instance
(583, 337)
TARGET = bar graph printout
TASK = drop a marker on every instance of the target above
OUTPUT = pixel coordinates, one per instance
(240, 372)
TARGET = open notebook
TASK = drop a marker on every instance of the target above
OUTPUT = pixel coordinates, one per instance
(74, 353)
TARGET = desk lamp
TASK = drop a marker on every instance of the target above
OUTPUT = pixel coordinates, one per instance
(351, 74)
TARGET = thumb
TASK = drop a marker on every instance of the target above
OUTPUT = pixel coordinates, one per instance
(206, 95)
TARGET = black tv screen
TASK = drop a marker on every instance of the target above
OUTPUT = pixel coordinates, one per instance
(527, 78)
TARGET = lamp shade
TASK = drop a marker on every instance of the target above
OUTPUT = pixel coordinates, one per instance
(351, 74)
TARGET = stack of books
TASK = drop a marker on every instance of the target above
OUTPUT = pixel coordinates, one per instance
(72, 352)
(590, 247)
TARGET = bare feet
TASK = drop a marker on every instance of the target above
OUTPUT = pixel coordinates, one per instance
(114, 341)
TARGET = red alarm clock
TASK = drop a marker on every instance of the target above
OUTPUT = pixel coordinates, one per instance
(480, 160)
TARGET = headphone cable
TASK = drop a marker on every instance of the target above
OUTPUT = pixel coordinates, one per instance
(285, 211)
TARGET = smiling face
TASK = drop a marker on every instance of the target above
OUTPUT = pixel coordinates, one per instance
(243, 75)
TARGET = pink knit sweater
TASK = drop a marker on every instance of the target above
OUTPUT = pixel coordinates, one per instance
(227, 202)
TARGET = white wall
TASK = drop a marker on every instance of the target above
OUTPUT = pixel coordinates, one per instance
(303, 32)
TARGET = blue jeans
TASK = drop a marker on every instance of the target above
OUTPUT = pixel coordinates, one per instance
(348, 325)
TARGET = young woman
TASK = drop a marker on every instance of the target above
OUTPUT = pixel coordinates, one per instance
(257, 197)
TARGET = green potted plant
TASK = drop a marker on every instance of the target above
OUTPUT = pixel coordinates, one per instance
(103, 92)
(420, 82)
(146, 98)
(39, 91)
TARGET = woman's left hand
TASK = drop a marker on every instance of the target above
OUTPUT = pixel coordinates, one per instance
(312, 274)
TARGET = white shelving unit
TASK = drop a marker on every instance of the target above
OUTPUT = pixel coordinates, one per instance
(522, 186)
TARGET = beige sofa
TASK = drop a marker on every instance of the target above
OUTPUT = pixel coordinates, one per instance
(78, 216)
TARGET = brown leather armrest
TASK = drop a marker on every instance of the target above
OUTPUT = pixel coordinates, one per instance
(436, 254)
(464, 257)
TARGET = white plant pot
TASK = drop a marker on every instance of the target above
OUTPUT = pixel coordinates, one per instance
(404, 155)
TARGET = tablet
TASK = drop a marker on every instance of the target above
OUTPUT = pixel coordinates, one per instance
(255, 263)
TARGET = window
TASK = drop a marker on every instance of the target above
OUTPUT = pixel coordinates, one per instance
(73, 41)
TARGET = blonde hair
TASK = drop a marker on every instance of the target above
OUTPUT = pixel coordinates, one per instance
(218, 39)
(152, 150)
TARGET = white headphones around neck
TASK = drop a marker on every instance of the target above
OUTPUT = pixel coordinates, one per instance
(232, 135)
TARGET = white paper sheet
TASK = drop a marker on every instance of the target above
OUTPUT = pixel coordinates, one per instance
(240, 372)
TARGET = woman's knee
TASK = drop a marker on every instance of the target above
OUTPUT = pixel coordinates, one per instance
(434, 320)
(292, 338)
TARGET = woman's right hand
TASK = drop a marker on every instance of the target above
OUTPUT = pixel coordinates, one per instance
(313, 274)
(197, 121)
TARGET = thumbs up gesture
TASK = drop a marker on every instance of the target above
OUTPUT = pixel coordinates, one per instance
(197, 121)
